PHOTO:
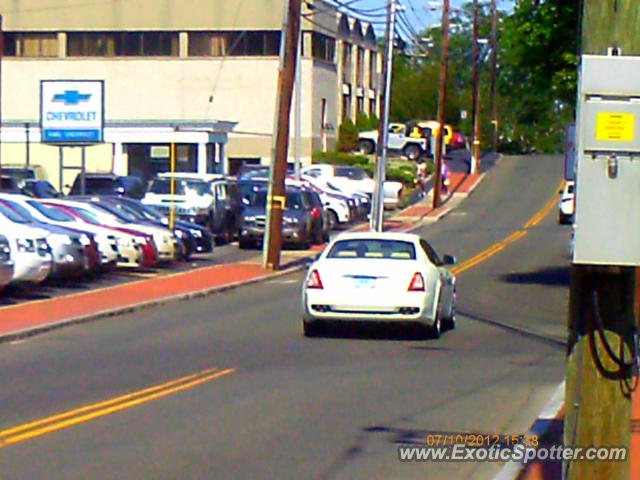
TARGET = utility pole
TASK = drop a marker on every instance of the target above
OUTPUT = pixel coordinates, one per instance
(442, 101)
(475, 107)
(376, 222)
(603, 299)
(276, 198)
(494, 73)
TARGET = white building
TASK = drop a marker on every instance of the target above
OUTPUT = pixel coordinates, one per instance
(198, 73)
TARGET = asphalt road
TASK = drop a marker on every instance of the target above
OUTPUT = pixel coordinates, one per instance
(281, 406)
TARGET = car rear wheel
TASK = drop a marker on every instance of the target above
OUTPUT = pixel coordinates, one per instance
(412, 151)
(333, 220)
(366, 146)
(436, 328)
(310, 329)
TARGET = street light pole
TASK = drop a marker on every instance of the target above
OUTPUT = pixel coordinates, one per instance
(442, 100)
(376, 222)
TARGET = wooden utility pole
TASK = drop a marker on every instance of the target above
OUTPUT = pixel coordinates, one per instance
(601, 368)
(276, 198)
(442, 101)
(494, 73)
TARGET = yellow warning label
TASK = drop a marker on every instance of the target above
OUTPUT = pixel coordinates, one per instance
(615, 127)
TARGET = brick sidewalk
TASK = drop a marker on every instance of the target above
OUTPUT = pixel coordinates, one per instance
(54, 311)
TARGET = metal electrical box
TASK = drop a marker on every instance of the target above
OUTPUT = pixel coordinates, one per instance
(607, 213)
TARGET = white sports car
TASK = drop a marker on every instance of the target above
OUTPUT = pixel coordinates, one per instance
(373, 276)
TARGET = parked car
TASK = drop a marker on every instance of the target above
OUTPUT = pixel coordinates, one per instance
(136, 212)
(566, 206)
(319, 216)
(6, 263)
(166, 243)
(22, 172)
(202, 237)
(30, 252)
(135, 248)
(9, 184)
(296, 220)
(379, 276)
(108, 184)
(106, 244)
(210, 200)
(354, 180)
(73, 252)
(39, 189)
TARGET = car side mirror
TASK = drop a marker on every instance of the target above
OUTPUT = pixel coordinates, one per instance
(448, 260)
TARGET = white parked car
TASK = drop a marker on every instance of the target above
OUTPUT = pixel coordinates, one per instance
(379, 276)
(107, 243)
(6, 264)
(354, 179)
(30, 252)
(566, 205)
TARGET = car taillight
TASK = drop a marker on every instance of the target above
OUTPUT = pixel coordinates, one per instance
(315, 213)
(417, 283)
(314, 280)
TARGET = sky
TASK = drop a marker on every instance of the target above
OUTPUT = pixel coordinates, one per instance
(421, 14)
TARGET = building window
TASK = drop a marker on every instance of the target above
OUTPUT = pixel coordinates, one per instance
(360, 66)
(246, 43)
(372, 107)
(122, 44)
(346, 106)
(30, 44)
(373, 74)
(346, 63)
(323, 47)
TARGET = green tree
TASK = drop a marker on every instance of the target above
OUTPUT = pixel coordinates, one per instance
(538, 74)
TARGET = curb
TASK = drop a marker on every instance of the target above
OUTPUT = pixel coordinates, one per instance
(551, 412)
(112, 312)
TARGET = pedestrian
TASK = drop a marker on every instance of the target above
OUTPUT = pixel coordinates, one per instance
(444, 177)
(421, 171)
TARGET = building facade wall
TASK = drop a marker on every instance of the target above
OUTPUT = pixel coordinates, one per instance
(240, 89)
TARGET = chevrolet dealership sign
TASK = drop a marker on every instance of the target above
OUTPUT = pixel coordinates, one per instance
(72, 111)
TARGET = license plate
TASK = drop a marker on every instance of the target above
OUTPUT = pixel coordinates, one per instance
(365, 282)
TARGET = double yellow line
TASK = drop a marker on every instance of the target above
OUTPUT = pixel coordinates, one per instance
(514, 237)
(89, 412)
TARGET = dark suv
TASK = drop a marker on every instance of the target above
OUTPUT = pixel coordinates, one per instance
(109, 184)
(296, 220)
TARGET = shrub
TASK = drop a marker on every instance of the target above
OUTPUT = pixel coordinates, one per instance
(347, 136)
(340, 158)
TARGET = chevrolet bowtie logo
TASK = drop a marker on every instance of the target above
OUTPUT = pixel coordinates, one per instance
(71, 97)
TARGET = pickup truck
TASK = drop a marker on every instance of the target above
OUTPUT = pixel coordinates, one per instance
(410, 141)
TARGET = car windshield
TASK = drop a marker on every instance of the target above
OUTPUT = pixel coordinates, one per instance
(19, 173)
(12, 214)
(181, 187)
(294, 200)
(51, 213)
(115, 211)
(100, 185)
(373, 248)
(8, 183)
(351, 172)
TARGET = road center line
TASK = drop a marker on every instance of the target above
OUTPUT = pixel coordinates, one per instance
(89, 412)
(514, 237)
